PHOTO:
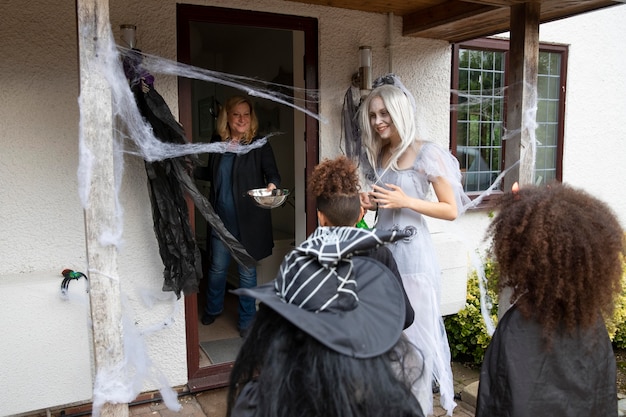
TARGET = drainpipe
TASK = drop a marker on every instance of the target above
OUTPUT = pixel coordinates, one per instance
(390, 40)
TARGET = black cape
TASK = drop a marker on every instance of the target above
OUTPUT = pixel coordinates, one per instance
(521, 378)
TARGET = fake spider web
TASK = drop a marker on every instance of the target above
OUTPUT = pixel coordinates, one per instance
(148, 130)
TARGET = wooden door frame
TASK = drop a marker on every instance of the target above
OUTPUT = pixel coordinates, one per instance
(218, 375)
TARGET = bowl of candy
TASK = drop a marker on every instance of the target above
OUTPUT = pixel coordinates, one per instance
(269, 199)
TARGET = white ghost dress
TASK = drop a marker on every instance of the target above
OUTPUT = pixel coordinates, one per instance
(418, 265)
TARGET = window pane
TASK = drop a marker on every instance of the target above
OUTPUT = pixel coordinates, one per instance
(487, 61)
(548, 176)
(498, 62)
(542, 86)
(542, 111)
(475, 59)
(552, 108)
(462, 133)
(540, 158)
(462, 109)
(478, 147)
(463, 79)
(550, 159)
(474, 80)
(480, 115)
(540, 134)
(548, 93)
(555, 64)
(495, 152)
(498, 79)
(463, 58)
(551, 133)
(544, 63)
(554, 88)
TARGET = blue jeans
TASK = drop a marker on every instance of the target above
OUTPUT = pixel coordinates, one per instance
(220, 261)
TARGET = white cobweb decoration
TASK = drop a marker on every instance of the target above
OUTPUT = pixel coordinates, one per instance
(122, 383)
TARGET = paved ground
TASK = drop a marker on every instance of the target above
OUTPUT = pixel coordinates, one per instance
(213, 403)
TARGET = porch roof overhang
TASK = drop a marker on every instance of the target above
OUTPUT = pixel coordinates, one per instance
(456, 20)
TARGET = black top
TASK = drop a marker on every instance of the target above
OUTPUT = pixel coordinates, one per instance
(254, 169)
(521, 377)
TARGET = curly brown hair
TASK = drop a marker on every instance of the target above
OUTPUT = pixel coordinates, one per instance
(561, 251)
(334, 184)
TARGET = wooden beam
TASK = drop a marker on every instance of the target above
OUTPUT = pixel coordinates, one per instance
(522, 94)
(96, 131)
(440, 15)
(498, 3)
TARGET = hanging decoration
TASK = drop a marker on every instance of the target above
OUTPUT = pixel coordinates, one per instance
(68, 276)
(168, 180)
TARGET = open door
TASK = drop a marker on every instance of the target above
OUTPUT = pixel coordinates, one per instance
(271, 47)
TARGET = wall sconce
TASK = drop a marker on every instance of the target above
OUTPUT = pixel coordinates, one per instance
(365, 69)
(129, 35)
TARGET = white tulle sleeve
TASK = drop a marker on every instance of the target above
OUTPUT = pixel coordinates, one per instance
(437, 163)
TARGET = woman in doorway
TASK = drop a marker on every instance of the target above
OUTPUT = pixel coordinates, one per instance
(232, 175)
(404, 169)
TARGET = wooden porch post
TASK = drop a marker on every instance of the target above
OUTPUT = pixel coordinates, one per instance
(522, 94)
(522, 100)
(97, 133)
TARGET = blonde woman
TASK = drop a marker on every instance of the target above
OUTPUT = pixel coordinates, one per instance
(405, 169)
(232, 175)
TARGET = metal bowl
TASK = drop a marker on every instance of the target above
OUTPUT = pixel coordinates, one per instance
(269, 199)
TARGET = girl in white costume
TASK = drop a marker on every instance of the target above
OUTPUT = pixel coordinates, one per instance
(404, 169)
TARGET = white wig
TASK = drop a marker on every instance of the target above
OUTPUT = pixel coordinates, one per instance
(402, 114)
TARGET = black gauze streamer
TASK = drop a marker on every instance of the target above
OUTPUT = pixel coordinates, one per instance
(351, 130)
(168, 180)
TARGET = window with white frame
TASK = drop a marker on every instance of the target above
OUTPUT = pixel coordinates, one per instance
(478, 117)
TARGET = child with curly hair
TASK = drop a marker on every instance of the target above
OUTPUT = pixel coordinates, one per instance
(561, 252)
(334, 184)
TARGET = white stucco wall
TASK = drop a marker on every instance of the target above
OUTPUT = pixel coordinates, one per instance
(46, 344)
(595, 132)
(42, 221)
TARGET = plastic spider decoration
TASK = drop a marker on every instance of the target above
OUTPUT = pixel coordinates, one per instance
(69, 275)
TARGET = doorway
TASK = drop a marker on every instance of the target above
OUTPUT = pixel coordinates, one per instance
(280, 49)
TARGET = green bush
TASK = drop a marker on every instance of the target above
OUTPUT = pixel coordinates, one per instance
(616, 325)
(467, 333)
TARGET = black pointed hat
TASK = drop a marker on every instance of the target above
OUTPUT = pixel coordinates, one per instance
(350, 303)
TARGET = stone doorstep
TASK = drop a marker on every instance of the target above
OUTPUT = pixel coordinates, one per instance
(468, 397)
(151, 399)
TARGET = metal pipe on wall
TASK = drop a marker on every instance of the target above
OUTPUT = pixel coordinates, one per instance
(390, 40)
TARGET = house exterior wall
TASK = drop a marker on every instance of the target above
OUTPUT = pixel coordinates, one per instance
(43, 227)
(594, 148)
(42, 219)
(46, 347)
(595, 132)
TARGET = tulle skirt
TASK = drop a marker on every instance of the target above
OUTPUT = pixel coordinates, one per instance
(428, 335)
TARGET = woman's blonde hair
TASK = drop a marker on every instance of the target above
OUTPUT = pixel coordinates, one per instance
(222, 119)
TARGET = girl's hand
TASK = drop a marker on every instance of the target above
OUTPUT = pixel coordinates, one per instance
(271, 187)
(391, 197)
(366, 202)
